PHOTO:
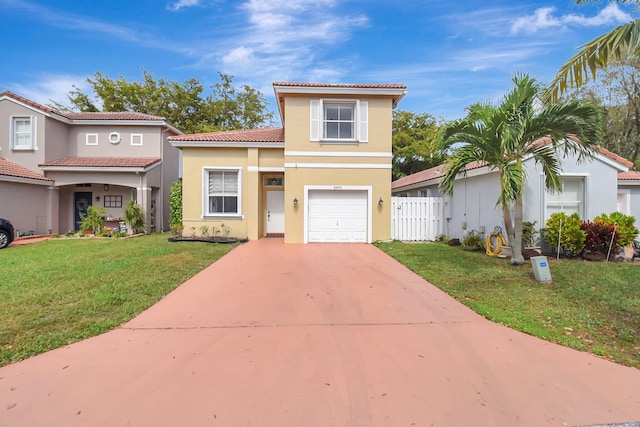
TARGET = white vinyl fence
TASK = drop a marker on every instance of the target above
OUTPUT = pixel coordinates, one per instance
(417, 218)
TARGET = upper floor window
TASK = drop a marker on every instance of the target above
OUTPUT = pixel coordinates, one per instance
(23, 133)
(339, 120)
(92, 139)
(136, 139)
(222, 192)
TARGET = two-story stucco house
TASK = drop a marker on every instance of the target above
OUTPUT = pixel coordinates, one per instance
(54, 164)
(324, 177)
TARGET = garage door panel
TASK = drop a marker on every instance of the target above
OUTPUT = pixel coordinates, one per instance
(337, 216)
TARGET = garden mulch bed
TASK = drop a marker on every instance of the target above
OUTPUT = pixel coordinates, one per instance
(207, 239)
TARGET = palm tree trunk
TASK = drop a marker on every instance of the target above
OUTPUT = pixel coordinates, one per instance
(516, 247)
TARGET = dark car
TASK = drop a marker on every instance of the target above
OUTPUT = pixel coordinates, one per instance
(6, 233)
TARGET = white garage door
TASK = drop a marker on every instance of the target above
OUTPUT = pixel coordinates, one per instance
(337, 216)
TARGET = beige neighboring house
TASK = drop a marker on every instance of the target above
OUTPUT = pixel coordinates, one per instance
(324, 177)
(54, 164)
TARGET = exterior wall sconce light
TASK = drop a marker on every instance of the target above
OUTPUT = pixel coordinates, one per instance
(295, 202)
(380, 202)
(106, 187)
(97, 198)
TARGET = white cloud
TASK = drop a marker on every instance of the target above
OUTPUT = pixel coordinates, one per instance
(544, 18)
(51, 87)
(182, 3)
(284, 39)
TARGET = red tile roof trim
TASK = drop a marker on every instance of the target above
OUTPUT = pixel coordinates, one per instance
(82, 115)
(429, 174)
(629, 176)
(103, 162)
(266, 135)
(8, 168)
(342, 85)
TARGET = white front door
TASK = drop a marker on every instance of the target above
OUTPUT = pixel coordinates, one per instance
(275, 212)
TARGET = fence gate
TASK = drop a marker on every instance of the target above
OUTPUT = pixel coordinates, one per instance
(417, 218)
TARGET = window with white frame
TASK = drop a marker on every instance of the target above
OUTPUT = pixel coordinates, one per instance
(339, 120)
(223, 192)
(136, 139)
(23, 133)
(92, 139)
(570, 200)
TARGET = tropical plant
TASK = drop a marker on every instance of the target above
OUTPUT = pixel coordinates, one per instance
(502, 136)
(620, 43)
(93, 220)
(529, 234)
(473, 241)
(565, 231)
(599, 235)
(134, 217)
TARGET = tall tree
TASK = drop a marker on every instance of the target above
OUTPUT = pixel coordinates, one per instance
(620, 43)
(617, 90)
(502, 136)
(184, 105)
(414, 143)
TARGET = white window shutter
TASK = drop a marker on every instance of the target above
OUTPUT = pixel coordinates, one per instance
(315, 119)
(363, 121)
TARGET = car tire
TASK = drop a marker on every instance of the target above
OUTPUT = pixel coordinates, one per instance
(4, 239)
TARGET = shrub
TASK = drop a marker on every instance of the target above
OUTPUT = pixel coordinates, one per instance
(472, 242)
(175, 205)
(93, 220)
(529, 233)
(626, 226)
(134, 217)
(567, 229)
(598, 236)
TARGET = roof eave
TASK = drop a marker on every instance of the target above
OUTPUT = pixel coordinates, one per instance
(219, 144)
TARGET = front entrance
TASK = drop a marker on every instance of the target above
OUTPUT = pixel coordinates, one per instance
(81, 201)
(275, 213)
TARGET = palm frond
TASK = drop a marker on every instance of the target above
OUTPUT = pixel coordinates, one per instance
(620, 42)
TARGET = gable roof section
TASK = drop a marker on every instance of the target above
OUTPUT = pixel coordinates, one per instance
(102, 163)
(12, 172)
(83, 117)
(263, 137)
(396, 91)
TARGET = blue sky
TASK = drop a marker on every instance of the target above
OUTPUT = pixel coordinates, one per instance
(450, 54)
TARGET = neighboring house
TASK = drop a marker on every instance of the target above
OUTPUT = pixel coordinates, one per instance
(324, 177)
(629, 194)
(54, 164)
(590, 188)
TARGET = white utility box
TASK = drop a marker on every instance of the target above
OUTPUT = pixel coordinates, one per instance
(541, 269)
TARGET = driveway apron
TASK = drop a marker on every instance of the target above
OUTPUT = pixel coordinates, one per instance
(314, 335)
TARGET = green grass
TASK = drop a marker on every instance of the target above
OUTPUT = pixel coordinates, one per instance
(59, 291)
(589, 306)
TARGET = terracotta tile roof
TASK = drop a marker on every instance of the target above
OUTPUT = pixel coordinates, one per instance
(82, 116)
(11, 169)
(112, 116)
(342, 85)
(629, 176)
(103, 162)
(268, 135)
(28, 102)
(429, 174)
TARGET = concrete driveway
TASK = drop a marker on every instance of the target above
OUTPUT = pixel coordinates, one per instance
(314, 335)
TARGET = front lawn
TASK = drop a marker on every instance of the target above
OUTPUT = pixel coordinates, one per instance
(59, 291)
(589, 306)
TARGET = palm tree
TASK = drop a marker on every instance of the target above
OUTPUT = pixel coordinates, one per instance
(620, 43)
(503, 136)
